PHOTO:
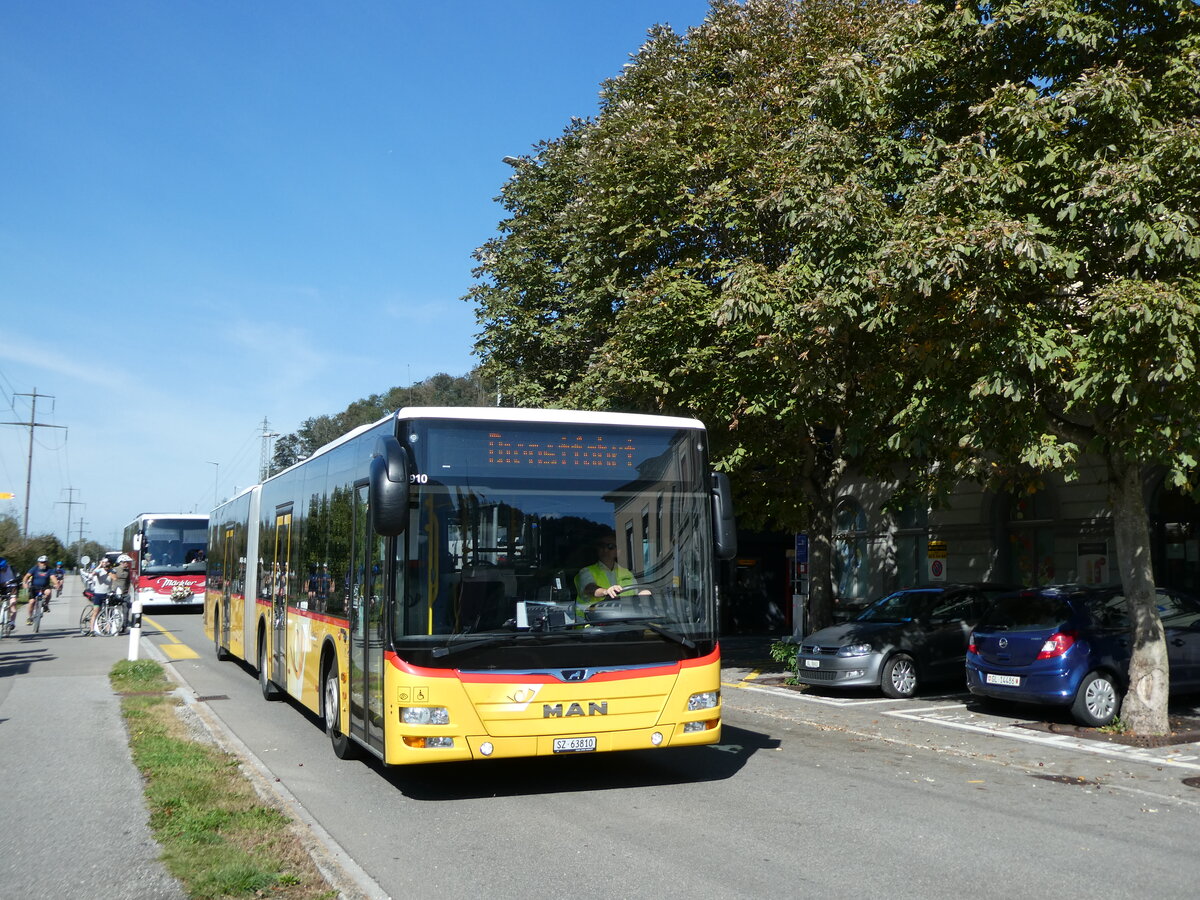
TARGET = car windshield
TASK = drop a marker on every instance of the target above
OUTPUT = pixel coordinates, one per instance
(902, 606)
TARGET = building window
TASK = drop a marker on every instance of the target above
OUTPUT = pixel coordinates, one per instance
(850, 555)
(1176, 541)
(912, 544)
(1030, 534)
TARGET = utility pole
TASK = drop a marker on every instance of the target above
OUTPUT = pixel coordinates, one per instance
(70, 503)
(264, 466)
(31, 425)
(216, 480)
(80, 541)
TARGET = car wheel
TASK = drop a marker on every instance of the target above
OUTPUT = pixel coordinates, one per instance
(1096, 701)
(899, 676)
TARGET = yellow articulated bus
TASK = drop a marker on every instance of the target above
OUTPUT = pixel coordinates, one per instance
(453, 584)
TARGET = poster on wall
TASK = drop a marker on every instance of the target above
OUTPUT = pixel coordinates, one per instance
(1092, 564)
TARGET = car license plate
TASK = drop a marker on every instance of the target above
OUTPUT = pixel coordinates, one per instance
(1010, 680)
(574, 745)
(813, 663)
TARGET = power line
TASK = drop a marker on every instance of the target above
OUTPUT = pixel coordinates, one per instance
(32, 424)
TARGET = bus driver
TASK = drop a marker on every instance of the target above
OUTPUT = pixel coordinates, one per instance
(603, 579)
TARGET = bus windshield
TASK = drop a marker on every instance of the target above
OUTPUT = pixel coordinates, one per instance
(510, 526)
(172, 546)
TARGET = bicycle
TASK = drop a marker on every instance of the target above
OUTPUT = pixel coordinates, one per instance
(40, 607)
(8, 610)
(110, 620)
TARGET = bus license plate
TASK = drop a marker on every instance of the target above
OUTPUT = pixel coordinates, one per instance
(574, 745)
(1009, 680)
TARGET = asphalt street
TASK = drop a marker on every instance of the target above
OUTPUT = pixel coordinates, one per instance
(71, 783)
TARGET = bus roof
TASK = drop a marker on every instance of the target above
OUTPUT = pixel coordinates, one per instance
(564, 416)
(500, 414)
(170, 515)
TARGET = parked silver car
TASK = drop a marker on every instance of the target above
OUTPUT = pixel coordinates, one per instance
(897, 643)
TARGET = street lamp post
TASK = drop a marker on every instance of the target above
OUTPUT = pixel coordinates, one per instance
(216, 474)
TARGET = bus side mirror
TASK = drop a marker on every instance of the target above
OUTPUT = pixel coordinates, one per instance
(724, 528)
(137, 541)
(388, 487)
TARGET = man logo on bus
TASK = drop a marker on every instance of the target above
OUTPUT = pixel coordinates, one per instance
(555, 711)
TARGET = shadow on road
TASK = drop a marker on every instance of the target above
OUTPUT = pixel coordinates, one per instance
(578, 774)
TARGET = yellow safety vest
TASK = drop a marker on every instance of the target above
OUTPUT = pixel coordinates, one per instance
(599, 576)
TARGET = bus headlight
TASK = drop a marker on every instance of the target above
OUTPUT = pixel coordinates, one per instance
(705, 700)
(424, 715)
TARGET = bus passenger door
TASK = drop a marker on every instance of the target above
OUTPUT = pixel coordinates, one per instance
(366, 627)
(228, 551)
(279, 584)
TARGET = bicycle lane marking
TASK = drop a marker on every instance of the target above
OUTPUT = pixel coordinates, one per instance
(1186, 756)
(175, 648)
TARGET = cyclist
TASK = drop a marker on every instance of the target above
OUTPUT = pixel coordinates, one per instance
(122, 578)
(8, 591)
(61, 574)
(40, 583)
(101, 584)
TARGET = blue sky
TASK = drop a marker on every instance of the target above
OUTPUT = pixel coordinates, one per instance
(215, 212)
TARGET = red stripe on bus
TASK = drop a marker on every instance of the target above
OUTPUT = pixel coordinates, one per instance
(502, 677)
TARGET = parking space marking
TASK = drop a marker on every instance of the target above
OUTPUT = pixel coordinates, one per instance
(1182, 756)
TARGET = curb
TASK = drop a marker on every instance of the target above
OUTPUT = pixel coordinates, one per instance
(344, 875)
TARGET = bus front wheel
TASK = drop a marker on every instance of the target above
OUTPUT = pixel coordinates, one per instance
(270, 690)
(343, 747)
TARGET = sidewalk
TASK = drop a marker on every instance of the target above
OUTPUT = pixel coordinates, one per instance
(74, 813)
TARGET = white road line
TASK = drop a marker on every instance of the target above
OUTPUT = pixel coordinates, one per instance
(1182, 756)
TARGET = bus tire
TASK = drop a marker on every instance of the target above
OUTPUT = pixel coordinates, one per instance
(331, 710)
(221, 652)
(270, 690)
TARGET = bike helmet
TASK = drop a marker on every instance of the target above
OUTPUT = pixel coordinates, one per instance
(124, 558)
(59, 563)
(42, 559)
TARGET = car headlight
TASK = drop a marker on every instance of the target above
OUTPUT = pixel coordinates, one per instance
(424, 715)
(855, 650)
(705, 700)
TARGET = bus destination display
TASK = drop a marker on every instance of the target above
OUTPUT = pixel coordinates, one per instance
(564, 451)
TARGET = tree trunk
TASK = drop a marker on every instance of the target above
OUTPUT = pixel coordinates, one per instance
(820, 567)
(1144, 710)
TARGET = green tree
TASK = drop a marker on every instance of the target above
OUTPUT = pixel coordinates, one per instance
(1044, 254)
(961, 232)
(648, 263)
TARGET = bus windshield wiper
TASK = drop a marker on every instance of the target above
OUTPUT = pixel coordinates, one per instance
(668, 633)
(461, 646)
(465, 643)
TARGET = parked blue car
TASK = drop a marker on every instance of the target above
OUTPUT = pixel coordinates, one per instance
(1067, 645)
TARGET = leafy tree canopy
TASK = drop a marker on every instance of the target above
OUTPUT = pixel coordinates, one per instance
(961, 235)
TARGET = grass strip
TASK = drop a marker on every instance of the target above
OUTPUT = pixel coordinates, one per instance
(217, 835)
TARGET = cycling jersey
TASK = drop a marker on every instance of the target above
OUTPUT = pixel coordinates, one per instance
(40, 578)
